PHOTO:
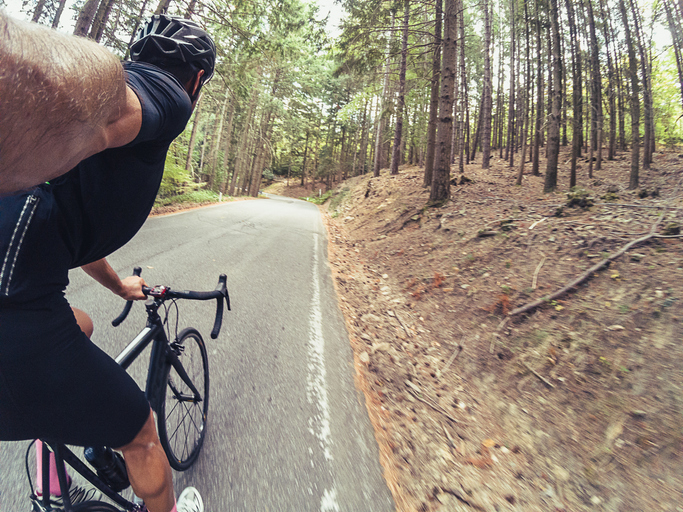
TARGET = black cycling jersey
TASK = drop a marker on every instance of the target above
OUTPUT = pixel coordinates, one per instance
(54, 382)
(96, 207)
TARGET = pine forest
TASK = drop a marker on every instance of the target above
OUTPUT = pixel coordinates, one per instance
(436, 84)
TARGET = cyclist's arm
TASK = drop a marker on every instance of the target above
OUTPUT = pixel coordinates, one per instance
(129, 288)
(64, 99)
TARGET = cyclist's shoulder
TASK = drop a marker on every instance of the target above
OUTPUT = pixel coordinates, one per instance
(166, 106)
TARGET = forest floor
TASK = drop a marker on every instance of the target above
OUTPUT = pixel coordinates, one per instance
(574, 405)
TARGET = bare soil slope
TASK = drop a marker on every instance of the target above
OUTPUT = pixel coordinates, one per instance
(575, 405)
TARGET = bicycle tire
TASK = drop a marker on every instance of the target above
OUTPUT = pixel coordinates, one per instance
(182, 419)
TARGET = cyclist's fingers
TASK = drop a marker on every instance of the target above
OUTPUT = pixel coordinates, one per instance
(132, 288)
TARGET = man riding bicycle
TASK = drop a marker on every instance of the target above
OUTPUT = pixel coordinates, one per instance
(99, 132)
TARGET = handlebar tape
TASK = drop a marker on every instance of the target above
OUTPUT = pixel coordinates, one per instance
(222, 289)
(129, 304)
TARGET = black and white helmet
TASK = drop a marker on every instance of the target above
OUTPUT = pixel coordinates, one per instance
(172, 40)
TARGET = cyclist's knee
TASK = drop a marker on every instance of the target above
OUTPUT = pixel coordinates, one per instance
(146, 439)
(84, 321)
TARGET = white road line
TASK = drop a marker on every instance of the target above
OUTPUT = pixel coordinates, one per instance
(316, 385)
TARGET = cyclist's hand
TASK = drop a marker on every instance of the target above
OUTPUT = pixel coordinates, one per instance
(131, 288)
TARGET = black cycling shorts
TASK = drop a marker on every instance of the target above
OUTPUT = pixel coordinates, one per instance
(62, 387)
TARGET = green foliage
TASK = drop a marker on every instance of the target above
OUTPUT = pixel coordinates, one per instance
(194, 196)
(579, 197)
(176, 180)
(318, 199)
(337, 199)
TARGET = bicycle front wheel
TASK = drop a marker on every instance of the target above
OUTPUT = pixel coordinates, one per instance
(183, 410)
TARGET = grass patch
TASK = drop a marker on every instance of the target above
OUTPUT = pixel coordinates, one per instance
(318, 199)
(338, 198)
(195, 196)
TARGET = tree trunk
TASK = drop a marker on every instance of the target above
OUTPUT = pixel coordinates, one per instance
(463, 110)
(648, 123)
(434, 98)
(216, 142)
(342, 156)
(509, 152)
(85, 18)
(486, 111)
(162, 7)
(635, 101)
(242, 158)
(381, 125)
(193, 136)
(396, 155)
(477, 133)
(596, 89)
(440, 191)
(540, 107)
(38, 11)
(58, 13)
(190, 9)
(577, 92)
(260, 165)
(228, 144)
(677, 37)
(200, 171)
(101, 19)
(363, 138)
(611, 93)
(303, 166)
(527, 88)
(500, 111)
(554, 125)
(133, 35)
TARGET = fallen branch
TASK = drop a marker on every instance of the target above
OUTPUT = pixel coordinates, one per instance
(433, 405)
(495, 334)
(637, 206)
(456, 353)
(461, 498)
(587, 273)
(537, 223)
(538, 269)
(395, 315)
(482, 234)
(540, 377)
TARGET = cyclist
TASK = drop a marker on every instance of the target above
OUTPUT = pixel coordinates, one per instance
(99, 131)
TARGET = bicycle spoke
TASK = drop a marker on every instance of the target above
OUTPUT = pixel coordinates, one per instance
(188, 412)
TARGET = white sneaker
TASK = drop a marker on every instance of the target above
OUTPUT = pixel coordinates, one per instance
(190, 501)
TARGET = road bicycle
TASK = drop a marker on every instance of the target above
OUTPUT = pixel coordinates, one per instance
(177, 388)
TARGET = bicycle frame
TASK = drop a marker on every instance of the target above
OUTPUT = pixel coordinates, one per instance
(162, 354)
(65, 455)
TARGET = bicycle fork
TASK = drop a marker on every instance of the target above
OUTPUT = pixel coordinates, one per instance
(178, 366)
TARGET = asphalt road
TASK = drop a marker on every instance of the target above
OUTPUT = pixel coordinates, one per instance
(287, 430)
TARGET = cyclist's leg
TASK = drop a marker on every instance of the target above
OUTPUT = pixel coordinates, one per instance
(86, 325)
(148, 469)
(84, 321)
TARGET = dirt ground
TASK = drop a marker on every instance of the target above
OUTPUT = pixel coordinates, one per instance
(574, 405)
